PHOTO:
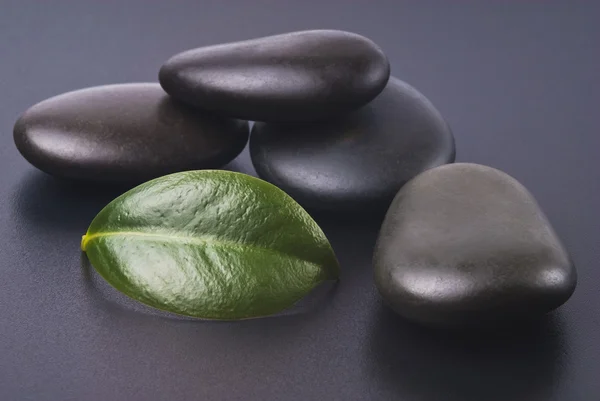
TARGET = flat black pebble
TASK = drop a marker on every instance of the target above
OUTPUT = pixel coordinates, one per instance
(359, 161)
(297, 76)
(124, 133)
(467, 245)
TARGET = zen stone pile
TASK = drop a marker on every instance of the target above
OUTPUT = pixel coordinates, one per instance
(461, 245)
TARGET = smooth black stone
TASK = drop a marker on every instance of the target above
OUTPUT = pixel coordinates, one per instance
(299, 76)
(359, 161)
(124, 133)
(467, 245)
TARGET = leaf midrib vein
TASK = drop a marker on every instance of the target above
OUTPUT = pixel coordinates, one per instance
(199, 240)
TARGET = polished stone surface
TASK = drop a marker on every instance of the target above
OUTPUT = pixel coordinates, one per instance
(467, 245)
(124, 133)
(298, 76)
(359, 161)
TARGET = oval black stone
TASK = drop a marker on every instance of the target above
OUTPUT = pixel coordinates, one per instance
(124, 133)
(297, 76)
(358, 161)
(467, 245)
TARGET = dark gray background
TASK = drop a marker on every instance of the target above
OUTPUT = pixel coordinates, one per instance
(518, 81)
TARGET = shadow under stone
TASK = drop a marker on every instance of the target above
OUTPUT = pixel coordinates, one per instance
(46, 202)
(513, 363)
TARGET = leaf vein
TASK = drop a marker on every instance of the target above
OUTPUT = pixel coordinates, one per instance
(204, 240)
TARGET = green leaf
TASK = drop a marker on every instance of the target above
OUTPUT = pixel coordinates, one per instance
(210, 244)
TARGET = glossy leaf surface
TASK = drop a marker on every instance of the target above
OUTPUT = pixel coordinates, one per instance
(210, 244)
